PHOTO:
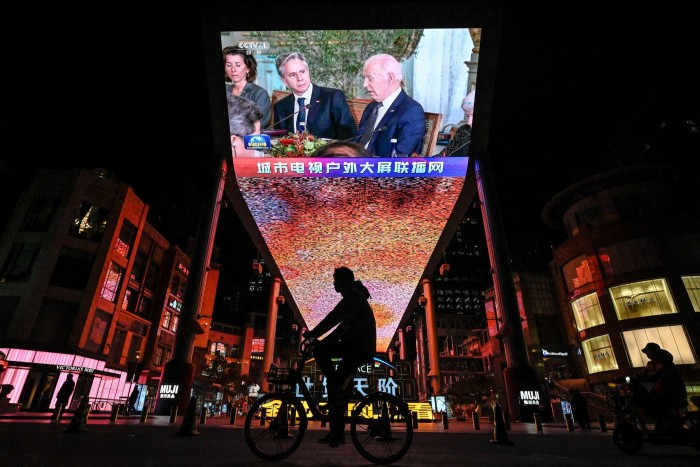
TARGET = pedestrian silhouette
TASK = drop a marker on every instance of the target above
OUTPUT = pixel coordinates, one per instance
(579, 407)
(66, 391)
(133, 398)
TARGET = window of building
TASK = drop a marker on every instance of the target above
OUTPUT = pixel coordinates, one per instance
(167, 318)
(641, 299)
(152, 274)
(138, 270)
(113, 280)
(672, 338)
(578, 272)
(632, 255)
(134, 348)
(117, 346)
(692, 286)
(40, 215)
(130, 299)
(177, 286)
(73, 268)
(145, 305)
(175, 321)
(19, 262)
(161, 355)
(693, 390)
(587, 311)
(98, 331)
(599, 354)
(89, 222)
(126, 239)
(158, 356)
(218, 348)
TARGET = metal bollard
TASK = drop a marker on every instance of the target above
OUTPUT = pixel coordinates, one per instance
(263, 416)
(475, 420)
(293, 418)
(144, 414)
(173, 414)
(538, 422)
(203, 416)
(115, 413)
(415, 420)
(445, 420)
(601, 422)
(506, 419)
(232, 417)
(569, 422)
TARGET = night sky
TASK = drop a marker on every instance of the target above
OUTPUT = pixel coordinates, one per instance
(581, 87)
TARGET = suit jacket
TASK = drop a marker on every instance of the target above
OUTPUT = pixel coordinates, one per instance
(328, 117)
(405, 121)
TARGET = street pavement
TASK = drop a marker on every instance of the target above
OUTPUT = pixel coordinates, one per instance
(35, 440)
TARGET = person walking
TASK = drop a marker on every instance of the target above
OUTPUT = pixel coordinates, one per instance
(579, 407)
(65, 392)
(133, 399)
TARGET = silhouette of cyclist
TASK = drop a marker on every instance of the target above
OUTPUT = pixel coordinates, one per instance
(667, 396)
(354, 341)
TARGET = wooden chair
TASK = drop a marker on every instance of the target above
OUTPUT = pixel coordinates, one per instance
(433, 122)
(276, 96)
(357, 106)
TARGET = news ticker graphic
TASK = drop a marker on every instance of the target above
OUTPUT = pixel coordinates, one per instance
(352, 167)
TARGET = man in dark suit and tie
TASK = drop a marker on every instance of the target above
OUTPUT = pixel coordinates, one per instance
(324, 111)
(393, 112)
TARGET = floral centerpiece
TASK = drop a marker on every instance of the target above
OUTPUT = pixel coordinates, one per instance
(297, 145)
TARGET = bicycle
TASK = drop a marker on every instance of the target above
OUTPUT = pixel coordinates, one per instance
(631, 431)
(381, 426)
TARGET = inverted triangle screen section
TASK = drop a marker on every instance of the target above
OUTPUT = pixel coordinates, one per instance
(382, 218)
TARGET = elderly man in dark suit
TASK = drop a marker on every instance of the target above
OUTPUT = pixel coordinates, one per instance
(324, 111)
(393, 114)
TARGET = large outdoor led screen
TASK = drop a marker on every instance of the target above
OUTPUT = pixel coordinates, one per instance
(388, 219)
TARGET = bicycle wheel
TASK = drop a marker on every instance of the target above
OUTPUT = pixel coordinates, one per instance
(628, 438)
(275, 426)
(381, 428)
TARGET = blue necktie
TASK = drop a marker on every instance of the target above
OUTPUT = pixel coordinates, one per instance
(301, 118)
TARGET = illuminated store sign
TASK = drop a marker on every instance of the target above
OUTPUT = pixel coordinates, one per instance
(361, 385)
(184, 269)
(530, 397)
(547, 353)
(169, 391)
(82, 369)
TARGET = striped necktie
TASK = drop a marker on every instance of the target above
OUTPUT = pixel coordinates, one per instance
(369, 127)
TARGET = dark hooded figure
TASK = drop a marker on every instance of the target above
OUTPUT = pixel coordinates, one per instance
(65, 392)
(354, 341)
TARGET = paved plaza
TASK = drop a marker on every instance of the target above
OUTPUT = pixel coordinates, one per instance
(34, 440)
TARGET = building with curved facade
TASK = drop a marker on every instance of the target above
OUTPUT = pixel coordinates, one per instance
(628, 273)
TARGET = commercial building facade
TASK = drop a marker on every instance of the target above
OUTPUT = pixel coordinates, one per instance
(87, 287)
(628, 274)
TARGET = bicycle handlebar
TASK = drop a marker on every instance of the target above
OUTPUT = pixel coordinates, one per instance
(307, 344)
